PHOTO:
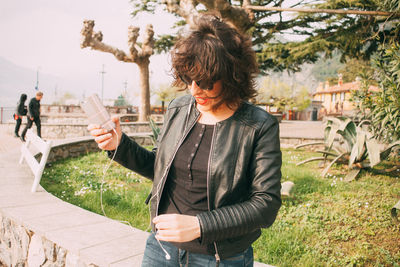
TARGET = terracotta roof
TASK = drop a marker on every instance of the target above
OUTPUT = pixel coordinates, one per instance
(346, 87)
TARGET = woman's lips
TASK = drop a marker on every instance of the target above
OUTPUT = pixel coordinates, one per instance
(201, 100)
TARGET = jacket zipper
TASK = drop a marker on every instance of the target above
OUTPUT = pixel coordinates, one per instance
(217, 258)
(163, 179)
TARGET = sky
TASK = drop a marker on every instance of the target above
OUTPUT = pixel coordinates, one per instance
(44, 36)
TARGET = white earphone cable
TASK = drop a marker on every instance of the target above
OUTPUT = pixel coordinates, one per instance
(102, 182)
(167, 256)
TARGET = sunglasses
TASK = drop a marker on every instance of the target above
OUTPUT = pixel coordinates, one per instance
(202, 84)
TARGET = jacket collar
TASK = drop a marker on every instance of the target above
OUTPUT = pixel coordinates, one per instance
(239, 114)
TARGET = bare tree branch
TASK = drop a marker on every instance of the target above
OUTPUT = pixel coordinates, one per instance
(148, 42)
(94, 40)
(184, 8)
(187, 10)
(137, 54)
(133, 34)
(241, 17)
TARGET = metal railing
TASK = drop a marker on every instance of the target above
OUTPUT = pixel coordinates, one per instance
(6, 114)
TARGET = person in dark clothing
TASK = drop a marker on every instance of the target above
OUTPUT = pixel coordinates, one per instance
(216, 166)
(20, 111)
(33, 115)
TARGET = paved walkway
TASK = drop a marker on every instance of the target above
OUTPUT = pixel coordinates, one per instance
(302, 129)
(88, 236)
(76, 229)
(7, 141)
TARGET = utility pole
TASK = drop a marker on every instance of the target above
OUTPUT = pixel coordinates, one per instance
(125, 88)
(102, 84)
(55, 94)
(37, 79)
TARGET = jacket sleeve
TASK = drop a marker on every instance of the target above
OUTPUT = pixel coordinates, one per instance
(33, 109)
(134, 157)
(261, 209)
(20, 109)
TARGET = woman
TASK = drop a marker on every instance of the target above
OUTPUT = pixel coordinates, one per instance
(216, 169)
(20, 111)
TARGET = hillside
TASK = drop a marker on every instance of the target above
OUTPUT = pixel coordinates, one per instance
(15, 80)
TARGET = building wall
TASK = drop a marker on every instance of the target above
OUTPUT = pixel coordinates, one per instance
(338, 102)
(336, 98)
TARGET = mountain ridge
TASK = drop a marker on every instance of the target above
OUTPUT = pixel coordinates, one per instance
(15, 80)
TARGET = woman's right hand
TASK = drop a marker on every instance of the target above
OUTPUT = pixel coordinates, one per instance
(106, 140)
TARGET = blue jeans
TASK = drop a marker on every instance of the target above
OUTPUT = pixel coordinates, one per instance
(154, 256)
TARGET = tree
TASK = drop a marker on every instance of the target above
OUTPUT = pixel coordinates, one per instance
(121, 101)
(282, 95)
(139, 53)
(324, 69)
(352, 35)
(356, 68)
(165, 93)
(329, 70)
(321, 33)
(382, 108)
(65, 98)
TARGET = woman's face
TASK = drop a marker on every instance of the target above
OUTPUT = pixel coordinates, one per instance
(204, 98)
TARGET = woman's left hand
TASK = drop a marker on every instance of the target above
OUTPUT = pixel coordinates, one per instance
(177, 227)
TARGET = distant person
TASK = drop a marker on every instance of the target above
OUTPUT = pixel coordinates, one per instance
(33, 115)
(20, 111)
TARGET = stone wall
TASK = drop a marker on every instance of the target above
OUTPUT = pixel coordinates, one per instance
(291, 142)
(67, 130)
(20, 247)
(14, 243)
(71, 109)
(83, 145)
(70, 131)
(62, 119)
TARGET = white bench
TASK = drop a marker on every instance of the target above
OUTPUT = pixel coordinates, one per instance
(40, 146)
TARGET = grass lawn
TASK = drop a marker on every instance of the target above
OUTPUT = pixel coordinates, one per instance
(328, 222)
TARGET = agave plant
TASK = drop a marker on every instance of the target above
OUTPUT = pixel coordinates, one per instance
(155, 130)
(355, 147)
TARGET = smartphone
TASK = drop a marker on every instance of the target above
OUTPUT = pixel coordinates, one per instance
(97, 113)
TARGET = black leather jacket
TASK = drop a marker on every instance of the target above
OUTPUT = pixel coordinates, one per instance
(244, 172)
(21, 109)
(34, 108)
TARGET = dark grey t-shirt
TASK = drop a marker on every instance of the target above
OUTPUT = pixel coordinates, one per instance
(185, 190)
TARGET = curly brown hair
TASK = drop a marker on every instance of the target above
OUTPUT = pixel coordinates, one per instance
(213, 51)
